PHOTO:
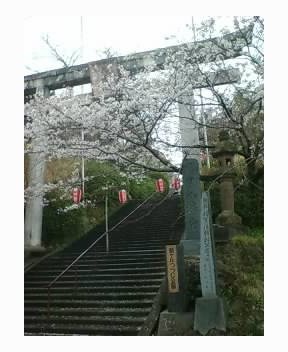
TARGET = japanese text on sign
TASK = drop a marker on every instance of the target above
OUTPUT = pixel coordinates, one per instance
(172, 269)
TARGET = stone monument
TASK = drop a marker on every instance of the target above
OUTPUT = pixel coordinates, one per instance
(209, 309)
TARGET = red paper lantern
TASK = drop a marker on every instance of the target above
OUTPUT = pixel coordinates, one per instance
(176, 183)
(160, 185)
(122, 196)
(76, 195)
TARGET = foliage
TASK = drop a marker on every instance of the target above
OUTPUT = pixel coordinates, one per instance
(61, 227)
(249, 204)
(240, 267)
(103, 175)
(142, 189)
(240, 106)
(248, 195)
(241, 271)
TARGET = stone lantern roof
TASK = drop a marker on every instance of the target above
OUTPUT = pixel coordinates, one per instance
(224, 146)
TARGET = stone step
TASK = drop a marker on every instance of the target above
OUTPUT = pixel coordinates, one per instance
(95, 270)
(99, 264)
(136, 239)
(76, 329)
(96, 283)
(140, 239)
(89, 296)
(90, 289)
(116, 254)
(101, 275)
(124, 252)
(116, 248)
(133, 246)
(93, 264)
(125, 320)
(94, 259)
(76, 311)
(114, 292)
(133, 303)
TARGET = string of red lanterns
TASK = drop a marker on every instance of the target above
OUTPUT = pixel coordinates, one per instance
(77, 195)
(160, 185)
(176, 183)
(122, 194)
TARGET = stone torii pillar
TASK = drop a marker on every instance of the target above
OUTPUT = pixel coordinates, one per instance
(191, 176)
(191, 164)
(34, 206)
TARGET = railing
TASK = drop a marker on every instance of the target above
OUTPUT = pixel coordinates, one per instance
(86, 250)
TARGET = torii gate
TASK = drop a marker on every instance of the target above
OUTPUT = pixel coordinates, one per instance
(44, 82)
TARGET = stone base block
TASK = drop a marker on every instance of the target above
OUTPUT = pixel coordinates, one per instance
(209, 314)
(223, 233)
(32, 254)
(190, 247)
(34, 251)
(174, 324)
(227, 217)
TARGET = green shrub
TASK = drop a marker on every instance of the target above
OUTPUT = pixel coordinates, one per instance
(249, 204)
(59, 228)
(144, 188)
(241, 270)
(240, 267)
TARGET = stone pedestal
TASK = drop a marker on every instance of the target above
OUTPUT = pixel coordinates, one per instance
(223, 233)
(175, 324)
(32, 254)
(209, 314)
(227, 215)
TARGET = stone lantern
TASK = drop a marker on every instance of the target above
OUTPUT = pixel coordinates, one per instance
(224, 153)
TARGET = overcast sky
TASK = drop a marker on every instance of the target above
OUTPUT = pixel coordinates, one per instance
(122, 34)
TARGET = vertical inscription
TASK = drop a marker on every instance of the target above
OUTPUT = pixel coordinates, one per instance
(207, 260)
(172, 269)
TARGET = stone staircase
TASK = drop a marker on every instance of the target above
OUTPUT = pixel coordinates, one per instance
(104, 294)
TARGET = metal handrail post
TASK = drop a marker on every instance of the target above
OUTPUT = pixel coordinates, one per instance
(76, 277)
(106, 221)
(93, 244)
(48, 303)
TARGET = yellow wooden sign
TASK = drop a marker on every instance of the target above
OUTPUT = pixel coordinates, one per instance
(172, 269)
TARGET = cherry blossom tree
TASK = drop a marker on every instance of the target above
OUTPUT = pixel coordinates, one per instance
(133, 119)
(239, 107)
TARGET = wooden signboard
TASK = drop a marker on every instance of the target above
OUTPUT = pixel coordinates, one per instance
(172, 269)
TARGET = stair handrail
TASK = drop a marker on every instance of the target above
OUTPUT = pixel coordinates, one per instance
(97, 240)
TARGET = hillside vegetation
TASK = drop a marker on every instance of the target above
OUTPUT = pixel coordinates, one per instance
(240, 266)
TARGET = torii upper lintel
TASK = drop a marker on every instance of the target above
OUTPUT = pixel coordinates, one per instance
(79, 74)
